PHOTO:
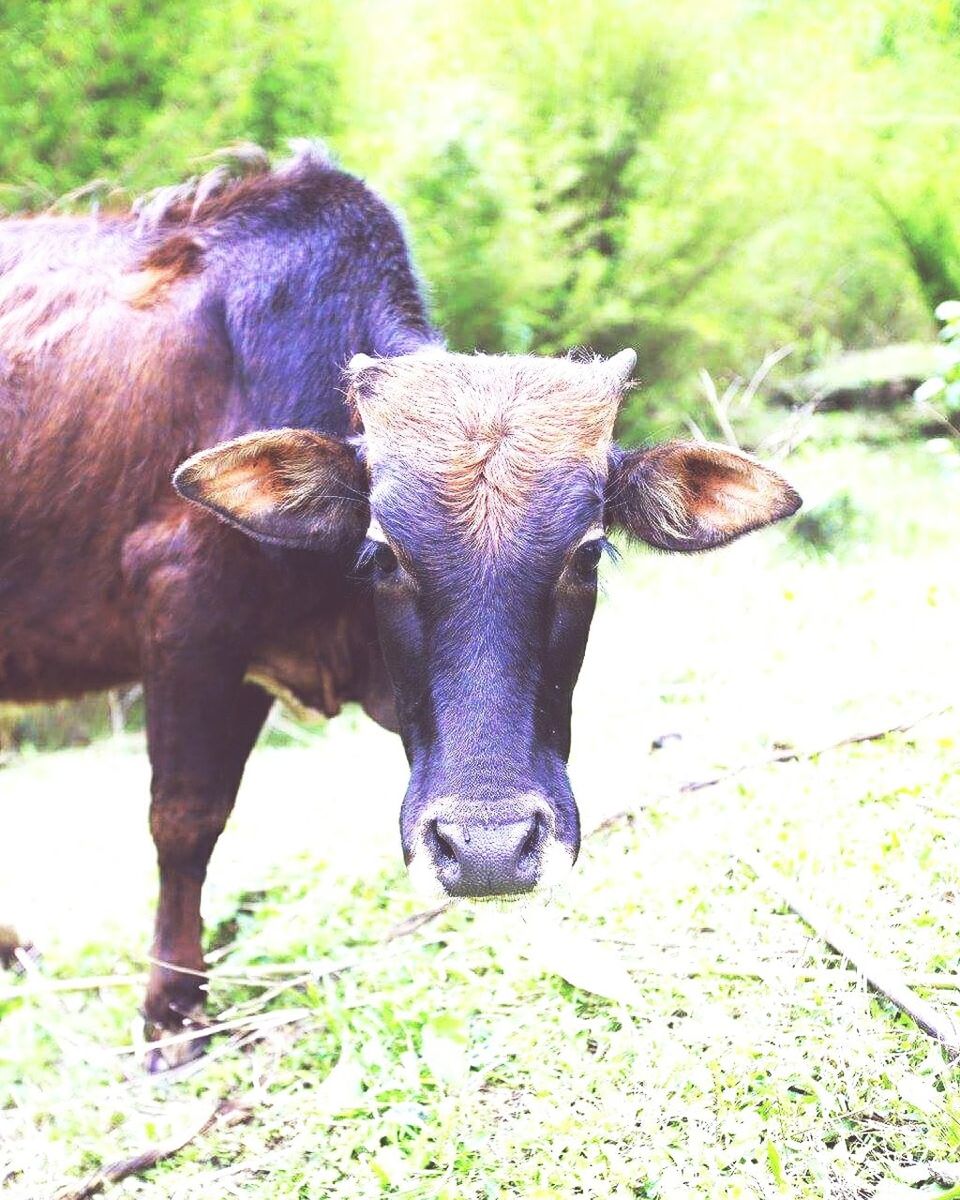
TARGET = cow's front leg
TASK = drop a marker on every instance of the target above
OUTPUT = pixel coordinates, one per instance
(202, 723)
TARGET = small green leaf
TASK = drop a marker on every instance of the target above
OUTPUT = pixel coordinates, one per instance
(775, 1162)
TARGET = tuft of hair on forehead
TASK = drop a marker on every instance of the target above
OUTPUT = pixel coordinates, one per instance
(484, 430)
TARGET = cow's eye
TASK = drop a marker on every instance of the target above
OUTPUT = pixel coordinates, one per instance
(383, 558)
(587, 558)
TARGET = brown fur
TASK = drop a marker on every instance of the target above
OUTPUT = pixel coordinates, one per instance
(99, 401)
(241, 182)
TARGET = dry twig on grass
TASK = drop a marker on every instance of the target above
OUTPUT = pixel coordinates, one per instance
(225, 1112)
(881, 976)
(786, 756)
(736, 398)
(417, 921)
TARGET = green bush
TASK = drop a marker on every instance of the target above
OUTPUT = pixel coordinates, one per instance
(705, 182)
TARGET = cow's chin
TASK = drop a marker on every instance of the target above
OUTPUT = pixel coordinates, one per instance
(424, 879)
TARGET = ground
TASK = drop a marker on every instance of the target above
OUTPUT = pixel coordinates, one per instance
(665, 1026)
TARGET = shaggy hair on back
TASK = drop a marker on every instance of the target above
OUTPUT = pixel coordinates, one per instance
(243, 177)
(482, 430)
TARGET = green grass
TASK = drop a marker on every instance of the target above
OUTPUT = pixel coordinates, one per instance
(665, 1028)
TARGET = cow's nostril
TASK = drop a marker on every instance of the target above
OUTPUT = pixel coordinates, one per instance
(443, 849)
(532, 841)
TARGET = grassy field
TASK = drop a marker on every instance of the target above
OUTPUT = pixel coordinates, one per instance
(666, 1027)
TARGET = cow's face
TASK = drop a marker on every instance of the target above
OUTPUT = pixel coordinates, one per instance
(477, 502)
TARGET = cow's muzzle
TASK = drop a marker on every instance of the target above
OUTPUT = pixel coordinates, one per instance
(466, 851)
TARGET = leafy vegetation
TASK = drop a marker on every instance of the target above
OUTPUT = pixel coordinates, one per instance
(832, 527)
(704, 182)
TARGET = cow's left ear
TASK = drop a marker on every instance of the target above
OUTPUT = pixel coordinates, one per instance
(693, 496)
(291, 487)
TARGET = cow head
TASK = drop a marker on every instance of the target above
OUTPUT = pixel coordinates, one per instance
(477, 500)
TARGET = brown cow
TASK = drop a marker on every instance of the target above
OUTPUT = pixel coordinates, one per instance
(441, 516)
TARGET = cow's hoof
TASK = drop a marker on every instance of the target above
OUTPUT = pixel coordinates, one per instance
(174, 1045)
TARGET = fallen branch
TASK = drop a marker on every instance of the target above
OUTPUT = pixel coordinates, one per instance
(417, 921)
(294, 976)
(225, 1112)
(260, 975)
(786, 756)
(881, 976)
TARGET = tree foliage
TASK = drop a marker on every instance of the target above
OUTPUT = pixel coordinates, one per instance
(700, 181)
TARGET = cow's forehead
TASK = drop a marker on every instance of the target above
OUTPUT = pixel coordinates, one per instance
(484, 431)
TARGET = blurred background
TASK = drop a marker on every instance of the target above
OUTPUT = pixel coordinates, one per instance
(703, 181)
(761, 197)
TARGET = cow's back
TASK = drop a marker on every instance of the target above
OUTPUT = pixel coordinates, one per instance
(129, 342)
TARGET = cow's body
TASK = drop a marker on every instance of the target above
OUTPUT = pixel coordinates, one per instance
(473, 493)
(125, 346)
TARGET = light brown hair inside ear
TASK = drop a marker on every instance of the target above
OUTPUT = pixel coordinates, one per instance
(721, 491)
(257, 473)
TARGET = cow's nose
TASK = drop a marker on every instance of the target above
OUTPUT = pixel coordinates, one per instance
(488, 860)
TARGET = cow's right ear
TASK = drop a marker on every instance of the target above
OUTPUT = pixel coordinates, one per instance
(291, 487)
